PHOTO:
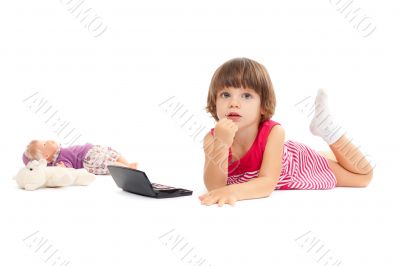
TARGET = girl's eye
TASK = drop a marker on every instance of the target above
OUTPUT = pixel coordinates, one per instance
(247, 96)
(225, 94)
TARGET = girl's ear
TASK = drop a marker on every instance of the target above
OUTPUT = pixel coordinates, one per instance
(262, 113)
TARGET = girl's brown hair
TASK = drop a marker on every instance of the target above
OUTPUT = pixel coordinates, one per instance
(243, 73)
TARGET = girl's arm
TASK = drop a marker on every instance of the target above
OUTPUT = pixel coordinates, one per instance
(258, 187)
(270, 169)
(215, 162)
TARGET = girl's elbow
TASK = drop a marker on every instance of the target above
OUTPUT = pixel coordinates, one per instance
(212, 184)
(211, 187)
(268, 186)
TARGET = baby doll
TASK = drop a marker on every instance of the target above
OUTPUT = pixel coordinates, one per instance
(94, 158)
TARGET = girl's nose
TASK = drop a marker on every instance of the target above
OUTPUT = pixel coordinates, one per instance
(234, 102)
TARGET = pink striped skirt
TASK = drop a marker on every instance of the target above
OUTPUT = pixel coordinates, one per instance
(304, 168)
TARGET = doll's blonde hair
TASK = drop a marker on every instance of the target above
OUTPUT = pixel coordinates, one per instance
(32, 152)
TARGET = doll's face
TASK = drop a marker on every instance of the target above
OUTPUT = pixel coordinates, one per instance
(47, 147)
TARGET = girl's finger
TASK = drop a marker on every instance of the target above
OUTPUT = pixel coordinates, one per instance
(208, 194)
(221, 202)
(209, 201)
(231, 202)
(204, 199)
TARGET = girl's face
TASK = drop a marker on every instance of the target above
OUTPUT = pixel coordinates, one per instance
(47, 147)
(242, 106)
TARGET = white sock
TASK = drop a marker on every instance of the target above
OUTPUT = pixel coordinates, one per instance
(323, 124)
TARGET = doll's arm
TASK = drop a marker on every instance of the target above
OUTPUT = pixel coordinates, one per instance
(64, 163)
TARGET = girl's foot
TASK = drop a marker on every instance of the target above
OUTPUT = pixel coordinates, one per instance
(323, 124)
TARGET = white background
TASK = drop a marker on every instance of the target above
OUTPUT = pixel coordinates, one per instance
(109, 89)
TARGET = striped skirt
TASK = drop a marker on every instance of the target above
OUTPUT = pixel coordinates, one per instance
(304, 168)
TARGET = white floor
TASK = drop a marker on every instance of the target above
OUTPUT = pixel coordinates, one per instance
(102, 225)
(142, 87)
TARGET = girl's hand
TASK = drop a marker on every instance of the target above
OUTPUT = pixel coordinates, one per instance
(221, 196)
(225, 131)
(61, 164)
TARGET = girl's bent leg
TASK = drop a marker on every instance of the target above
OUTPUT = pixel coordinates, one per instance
(345, 178)
(350, 157)
(352, 168)
(328, 155)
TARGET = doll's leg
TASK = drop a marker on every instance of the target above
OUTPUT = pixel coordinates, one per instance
(124, 162)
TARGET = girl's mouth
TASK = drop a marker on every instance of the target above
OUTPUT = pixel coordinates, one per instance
(233, 115)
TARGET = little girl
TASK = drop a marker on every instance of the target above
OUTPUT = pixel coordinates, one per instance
(246, 155)
(93, 158)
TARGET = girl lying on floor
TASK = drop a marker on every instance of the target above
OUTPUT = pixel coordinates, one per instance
(246, 155)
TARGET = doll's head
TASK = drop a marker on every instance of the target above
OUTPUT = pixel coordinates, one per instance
(243, 73)
(40, 149)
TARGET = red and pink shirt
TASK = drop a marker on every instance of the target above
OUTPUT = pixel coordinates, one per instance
(248, 167)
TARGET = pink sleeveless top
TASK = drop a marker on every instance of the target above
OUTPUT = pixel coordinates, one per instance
(249, 165)
(302, 167)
